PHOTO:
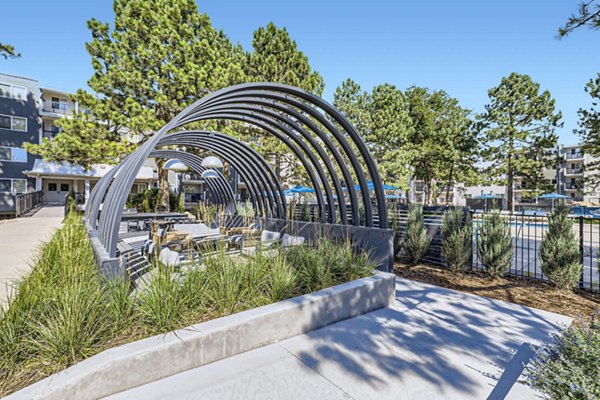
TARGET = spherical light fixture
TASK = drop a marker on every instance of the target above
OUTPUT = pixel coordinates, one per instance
(212, 162)
(175, 165)
(209, 174)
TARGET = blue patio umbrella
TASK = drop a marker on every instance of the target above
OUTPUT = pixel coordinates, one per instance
(299, 189)
(552, 197)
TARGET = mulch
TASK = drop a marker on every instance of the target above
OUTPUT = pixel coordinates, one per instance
(523, 291)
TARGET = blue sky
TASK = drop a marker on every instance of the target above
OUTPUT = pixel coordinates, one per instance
(463, 47)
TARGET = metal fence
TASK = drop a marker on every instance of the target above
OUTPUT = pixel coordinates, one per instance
(528, 232)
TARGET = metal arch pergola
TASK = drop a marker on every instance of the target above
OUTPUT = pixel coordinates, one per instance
(320, 136)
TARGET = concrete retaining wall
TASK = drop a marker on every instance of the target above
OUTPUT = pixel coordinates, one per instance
(150, 359)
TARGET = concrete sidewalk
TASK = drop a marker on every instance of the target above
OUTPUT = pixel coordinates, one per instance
(433, 343)
(19, 239)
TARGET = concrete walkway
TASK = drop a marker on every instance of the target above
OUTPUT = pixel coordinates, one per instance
(433, 343)
(19, 239)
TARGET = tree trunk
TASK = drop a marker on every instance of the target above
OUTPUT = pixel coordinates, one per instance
(163, 185)
(449, 183)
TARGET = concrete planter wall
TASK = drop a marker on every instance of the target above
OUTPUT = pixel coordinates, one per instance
(147, 360)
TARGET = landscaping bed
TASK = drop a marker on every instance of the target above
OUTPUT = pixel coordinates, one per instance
(64, 312)
(526, 292)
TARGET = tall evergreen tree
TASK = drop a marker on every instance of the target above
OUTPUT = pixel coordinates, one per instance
(518, 132)
(446, 144)
(589, 131)
(277, 58)
(159, 57)
(383, 121)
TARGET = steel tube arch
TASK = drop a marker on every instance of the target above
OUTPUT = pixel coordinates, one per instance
(114, 190)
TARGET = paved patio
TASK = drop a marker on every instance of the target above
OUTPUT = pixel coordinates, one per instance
(433, 343)
(19, 239)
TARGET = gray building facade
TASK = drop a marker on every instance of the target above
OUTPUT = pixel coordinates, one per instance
(20, 123)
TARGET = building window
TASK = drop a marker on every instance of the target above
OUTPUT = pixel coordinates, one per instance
(16, 92)
(4, 90)
(15, 154)
(19, 124)
(13, 123)
(59, 104)
(14, 186)
(19, 186)
(52, 187)
(64, 187)
(19, 93)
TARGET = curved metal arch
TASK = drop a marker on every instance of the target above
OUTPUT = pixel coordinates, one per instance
(115, 194)
(256, 182)
(261, 90)
(220, 187)
(322, 180)
(237, 105)
(242, 152)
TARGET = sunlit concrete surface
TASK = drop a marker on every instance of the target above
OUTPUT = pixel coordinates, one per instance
(433, 343)
(20, 238)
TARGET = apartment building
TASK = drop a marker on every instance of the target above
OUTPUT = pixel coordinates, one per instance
(28, 113)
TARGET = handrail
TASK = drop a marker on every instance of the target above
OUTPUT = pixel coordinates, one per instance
(27, 201)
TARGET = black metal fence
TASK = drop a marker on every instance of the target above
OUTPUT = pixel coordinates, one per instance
(528, 232)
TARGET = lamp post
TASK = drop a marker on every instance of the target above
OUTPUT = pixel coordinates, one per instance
(177, 166)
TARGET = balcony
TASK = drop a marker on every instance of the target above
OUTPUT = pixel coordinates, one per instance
(49, 134)
(57, 109)
(574, 156)
(573, 171)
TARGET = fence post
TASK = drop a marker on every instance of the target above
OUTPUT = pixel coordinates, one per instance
(581, 249)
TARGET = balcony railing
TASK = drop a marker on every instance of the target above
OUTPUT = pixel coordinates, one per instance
(58, 107)
(574, 171)
(574, 155)
(48, 134)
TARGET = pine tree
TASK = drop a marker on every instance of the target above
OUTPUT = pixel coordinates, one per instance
(559, 252)
(7, 51)
(416, 240)
(494, 245)
(155, 59)
(518, 132)
(457, 240)
(277, 58)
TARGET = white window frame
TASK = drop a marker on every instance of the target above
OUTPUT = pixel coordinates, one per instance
(12, 149)
(12, 94)
(12, 185)
(12, 117)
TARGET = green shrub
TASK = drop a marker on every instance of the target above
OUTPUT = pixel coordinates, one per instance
(569, 366)
(494, 245)
(64, 311)
(304, 212)
(416, 241)
(559, 252)
(457, 240)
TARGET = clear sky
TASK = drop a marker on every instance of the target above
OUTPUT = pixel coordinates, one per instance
(461, 46)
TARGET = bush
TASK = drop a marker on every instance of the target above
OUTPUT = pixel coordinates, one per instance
(416, 241)
(457, 240)
(64, 312)
(569, 367)
(559, 252)
(181, 204)
(494, 245)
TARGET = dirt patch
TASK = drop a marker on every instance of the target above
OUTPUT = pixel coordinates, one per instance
(516, 290)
